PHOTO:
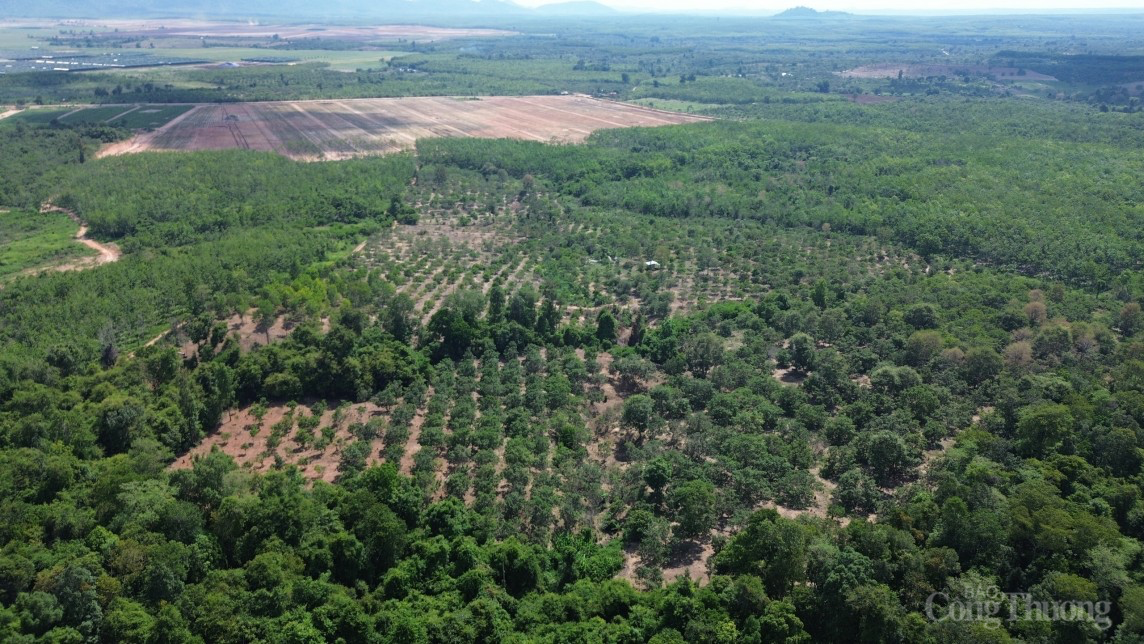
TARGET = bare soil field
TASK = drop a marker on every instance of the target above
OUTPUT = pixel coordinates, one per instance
(262, 443)
(870, 99)
(891, 70)
(338, 129)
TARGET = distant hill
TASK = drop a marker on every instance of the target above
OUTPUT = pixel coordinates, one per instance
(575, 8)
(808, 13)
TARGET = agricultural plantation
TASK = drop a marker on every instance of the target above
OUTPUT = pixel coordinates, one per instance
(132, 117)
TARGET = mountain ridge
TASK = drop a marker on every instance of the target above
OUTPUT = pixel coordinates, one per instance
(805, 13)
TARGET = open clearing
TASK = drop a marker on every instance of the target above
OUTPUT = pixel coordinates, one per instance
(106, 253)
(338, 129)
(32, 242)
(892, 70)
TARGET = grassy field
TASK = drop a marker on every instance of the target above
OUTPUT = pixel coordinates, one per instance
(134, 116)
(38, 115)
(95, 114)
(21, 38)
(30, 240)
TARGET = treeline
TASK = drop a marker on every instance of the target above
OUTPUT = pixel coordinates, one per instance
(203, 197)
(28, 153)
(991, 118)
(278, 82)
(724, 91)
(1082, 69)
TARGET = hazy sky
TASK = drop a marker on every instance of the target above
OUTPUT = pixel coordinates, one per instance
(868, 6)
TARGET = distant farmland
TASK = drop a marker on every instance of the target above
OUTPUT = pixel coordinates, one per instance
(326, 130)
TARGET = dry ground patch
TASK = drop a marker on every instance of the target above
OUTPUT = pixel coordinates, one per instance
(337, 129)
(906, 70)
(262, 439)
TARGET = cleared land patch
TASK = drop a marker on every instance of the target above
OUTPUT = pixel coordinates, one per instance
(892, 70)
(337, 129)
(311, 437)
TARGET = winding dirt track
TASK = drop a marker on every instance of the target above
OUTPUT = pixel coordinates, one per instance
(107, 253)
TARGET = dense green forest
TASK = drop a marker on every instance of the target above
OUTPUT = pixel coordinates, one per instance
(816, 370)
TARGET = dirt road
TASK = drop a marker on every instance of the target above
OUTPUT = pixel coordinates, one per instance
(107, 253)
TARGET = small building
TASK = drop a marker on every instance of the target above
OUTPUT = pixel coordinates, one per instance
(651, 265)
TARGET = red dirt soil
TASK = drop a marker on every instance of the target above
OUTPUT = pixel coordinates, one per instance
(252, 452)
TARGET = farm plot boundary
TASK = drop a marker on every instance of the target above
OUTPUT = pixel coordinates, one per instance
(338, 129)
